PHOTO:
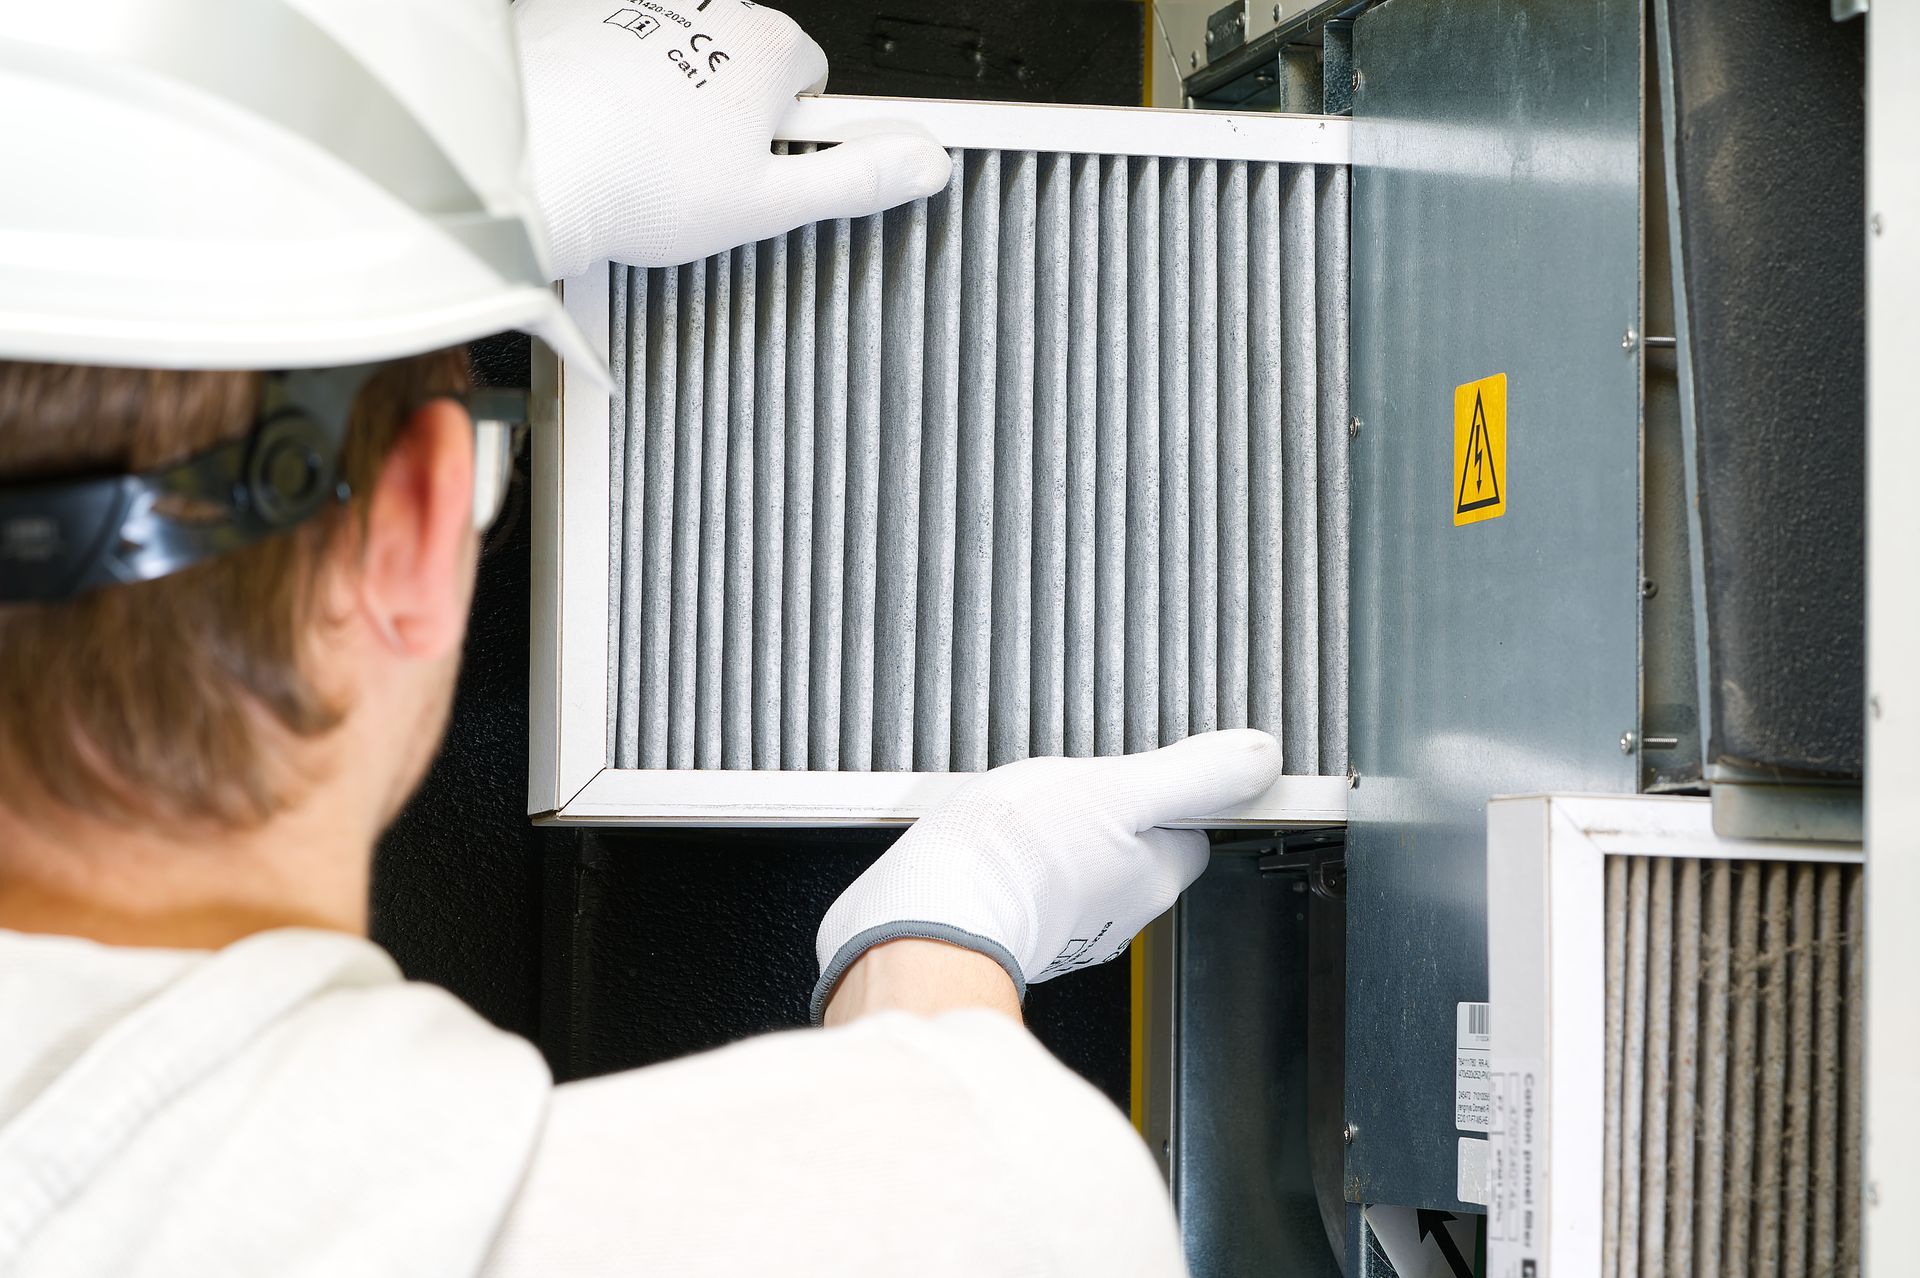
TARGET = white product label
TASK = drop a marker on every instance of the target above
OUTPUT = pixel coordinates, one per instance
(1472, 1098)
(1470, 1170)
(1516, 1163)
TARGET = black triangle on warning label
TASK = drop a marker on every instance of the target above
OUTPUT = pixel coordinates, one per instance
(1479, 481)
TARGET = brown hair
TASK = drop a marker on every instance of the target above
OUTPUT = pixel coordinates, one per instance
(154, 702)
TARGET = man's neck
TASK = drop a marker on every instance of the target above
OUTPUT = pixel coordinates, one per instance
(80, 877)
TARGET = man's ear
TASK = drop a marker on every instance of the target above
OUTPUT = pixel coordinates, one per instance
(414, 585)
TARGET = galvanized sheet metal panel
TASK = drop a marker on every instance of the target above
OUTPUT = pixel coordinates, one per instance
(1039, 465)
(1496, 229)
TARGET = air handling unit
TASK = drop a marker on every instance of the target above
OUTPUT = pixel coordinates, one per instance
(1502, 438)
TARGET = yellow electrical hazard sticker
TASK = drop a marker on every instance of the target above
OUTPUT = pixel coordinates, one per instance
(1479, 485)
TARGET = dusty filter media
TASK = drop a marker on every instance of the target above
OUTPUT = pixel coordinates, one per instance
(1054, 462)
(1734, 1043)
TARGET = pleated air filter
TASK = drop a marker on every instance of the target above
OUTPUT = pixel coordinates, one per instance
(1051, 463)
(1677, 1045)
(1713, 1167)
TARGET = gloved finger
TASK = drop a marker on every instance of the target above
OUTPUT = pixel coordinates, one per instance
(1194, 778)
(1180, 856)
(806, 69)
(861, 176)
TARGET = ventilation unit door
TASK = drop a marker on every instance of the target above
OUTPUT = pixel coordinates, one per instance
(1053, 462)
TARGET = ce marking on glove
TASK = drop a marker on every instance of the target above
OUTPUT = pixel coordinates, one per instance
(689, 60)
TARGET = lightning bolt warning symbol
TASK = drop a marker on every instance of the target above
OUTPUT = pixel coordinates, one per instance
(1479, 487)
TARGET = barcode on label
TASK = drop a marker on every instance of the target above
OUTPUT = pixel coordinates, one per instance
(1472, 1102)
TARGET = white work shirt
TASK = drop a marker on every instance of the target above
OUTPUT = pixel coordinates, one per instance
(290, 1106)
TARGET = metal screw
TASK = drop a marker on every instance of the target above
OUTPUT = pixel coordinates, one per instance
(1353, 778)
(1874, 222)
(1210, 36)
(1629, 340)
(1276, 13)
(1350, 1132)
(1873, 704)
(1626, 743)
(1649, 588)
(1356, 79)
(1193, 59)
(1353, 428)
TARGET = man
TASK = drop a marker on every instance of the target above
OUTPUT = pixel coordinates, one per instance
(240, 242)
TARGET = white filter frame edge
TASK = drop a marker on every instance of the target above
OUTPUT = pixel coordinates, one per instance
(1263, 137)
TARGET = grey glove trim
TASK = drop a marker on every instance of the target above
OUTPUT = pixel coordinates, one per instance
(860, 943)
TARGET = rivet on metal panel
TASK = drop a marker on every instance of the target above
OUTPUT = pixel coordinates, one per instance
(1649, 588)
(1350, 1132)
(1875, 223)
(1276, 13)
(1626, 743)
(1353, 428)
(1629, 340)
(1353, 778)
(1193, 60)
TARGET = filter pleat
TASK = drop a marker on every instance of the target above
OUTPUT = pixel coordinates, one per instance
(1111, 540)
(1203, 414)
(736, 671)
(803, 261)
(1634, 1058)
(1658, 1066)
(1796, 1181)
(1085, 293)
(974, 513)
(1742, 1084)
(1683, 1112)
(829, 496)
(1775, 1049)
(1292, 690)
(939, 477)
(689, 433)
(1010, 631)
(1828, 1072)
(1176, 516)
(902, 391)
(770, 501)
(1047, 640)
(1268, 639)
(1717, 950)
(710, 586)
(1142, 639)
(864, 373)
(1232, 450)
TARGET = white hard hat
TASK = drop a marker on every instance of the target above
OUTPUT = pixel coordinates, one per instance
(258, 184)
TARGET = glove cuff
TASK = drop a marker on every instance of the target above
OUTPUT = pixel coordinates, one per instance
(860, 943)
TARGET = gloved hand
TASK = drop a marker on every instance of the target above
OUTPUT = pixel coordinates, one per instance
(1048, 865)
(650, 125)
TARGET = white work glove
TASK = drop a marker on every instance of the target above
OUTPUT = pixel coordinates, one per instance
(1048, 865)
(650, 128)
